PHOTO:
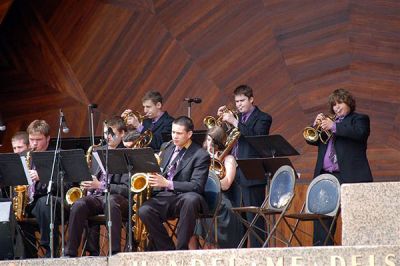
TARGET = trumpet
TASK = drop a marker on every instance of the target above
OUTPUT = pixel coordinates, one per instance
(136, 114)
(210, 121)
(315, 133)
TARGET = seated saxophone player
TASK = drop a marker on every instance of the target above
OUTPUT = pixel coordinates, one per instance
(229, 227)
(20, 145)
(39, 138)
(157, 120)
(94, 202)
(178, 190)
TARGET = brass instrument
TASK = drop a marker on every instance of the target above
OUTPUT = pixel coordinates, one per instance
(210, 121)
(315, 133)
(140, 186)
(136, 114)
(143, 140)
(217, 165)
(75, 193)
(21, 198)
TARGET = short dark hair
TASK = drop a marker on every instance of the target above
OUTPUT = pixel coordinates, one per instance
(21, 135)
(154, 96)
(131, 136)
(184, 121)
(117, 122)
(218, 135)
(39, 126)
(245, 90)
(341, 96)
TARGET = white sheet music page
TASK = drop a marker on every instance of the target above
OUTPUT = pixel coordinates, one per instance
(97, 157)
(5, 211)
(26, 170)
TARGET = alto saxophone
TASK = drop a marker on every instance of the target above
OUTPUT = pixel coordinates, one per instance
(21, 197)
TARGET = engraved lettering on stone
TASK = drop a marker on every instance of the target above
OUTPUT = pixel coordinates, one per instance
(337, 260)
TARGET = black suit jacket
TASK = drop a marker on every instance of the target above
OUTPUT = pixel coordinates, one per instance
(258, 123)
(163, 125)
(192, 171)
(351, 149)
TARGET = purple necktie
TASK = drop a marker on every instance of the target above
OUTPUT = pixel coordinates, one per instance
(176, 157)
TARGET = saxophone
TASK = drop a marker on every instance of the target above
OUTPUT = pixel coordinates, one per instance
(21, 197)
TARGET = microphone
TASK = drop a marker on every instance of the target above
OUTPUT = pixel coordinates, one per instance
(193, 100)
(64, 126)
(92, 105)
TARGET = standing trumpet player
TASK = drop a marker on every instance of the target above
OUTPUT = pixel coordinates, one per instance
(344, 155)
(155, 119)
(251, 122)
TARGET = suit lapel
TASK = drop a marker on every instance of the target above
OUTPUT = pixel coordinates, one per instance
(186, 158)
(166, 157)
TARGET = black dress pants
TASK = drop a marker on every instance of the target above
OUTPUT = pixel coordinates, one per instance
(89, 206)
(167, 205)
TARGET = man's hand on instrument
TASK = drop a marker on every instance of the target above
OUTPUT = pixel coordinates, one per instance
(34, 175)
(230, 119)
(95, 184)
(157, 180)
(221, 110)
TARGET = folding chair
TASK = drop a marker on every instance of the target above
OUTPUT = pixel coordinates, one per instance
(277, 202)
(322, 202)
(209, 218)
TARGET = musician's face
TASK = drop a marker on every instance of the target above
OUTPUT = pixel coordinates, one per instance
(19, 145)
(150, 109)
(179, 135)
(114, 141)
(210, 145)
(243, 103)
(341, 109)
(38, 141)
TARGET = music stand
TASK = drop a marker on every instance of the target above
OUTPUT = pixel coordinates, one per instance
(12, 171)
(132, 161)
(73, 143)
(72, 168)
(271, 146)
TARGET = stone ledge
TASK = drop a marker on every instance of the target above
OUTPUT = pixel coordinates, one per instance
(370, 214)
(334, 256)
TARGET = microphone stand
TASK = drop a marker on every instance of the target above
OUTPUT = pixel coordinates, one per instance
(90, 117)
(49, 187)
(107, 196)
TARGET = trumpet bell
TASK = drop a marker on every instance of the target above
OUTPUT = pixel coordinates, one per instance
(73, 194)
(139, 182)
(209, 121)
(311, 134)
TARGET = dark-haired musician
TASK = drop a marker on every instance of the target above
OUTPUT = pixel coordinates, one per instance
(251, 122)
(344, 155)
(179, 188)
(157, 120)
(94, 203)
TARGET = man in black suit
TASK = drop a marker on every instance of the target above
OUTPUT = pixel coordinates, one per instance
(39, 138)
(178, 191)
(157, 120)
(94, 203)
(251, 122)
(344, 155)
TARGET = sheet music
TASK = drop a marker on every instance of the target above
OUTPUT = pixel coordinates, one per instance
(97, 157)
(26, 170)
(5, 211)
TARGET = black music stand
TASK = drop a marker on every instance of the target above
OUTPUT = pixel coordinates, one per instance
(72, 168)
(73, 143)
(271, 146)
(12, 172)
(132, 161)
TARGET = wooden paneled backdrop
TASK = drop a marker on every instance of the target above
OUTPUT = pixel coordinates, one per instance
(69, 53)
